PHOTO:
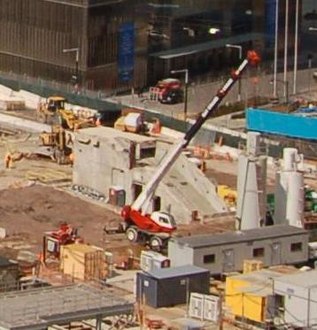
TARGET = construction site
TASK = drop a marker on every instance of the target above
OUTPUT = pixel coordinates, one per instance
(129, 224)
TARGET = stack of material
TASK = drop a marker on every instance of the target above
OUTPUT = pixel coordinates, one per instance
(12, 103)
(83, 262)
(251, 266)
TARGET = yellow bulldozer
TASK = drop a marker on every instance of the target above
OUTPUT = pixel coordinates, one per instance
(70, 120)
(47, 111)
(53, 111)
(56, 145)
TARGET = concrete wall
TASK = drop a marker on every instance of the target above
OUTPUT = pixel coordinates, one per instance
(230, 257)
(103, 159)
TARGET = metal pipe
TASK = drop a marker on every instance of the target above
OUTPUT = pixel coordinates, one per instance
(186, 89)
(296, 48)
(286, 45)
(275, 49)
(240, 58)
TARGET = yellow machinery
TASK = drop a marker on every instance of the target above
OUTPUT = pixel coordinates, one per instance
(55, 145)
(69, 120)
(47, 110)
(228, 195)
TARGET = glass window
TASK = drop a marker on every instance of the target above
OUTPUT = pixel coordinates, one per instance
(295, 247)
(258, 252)
(209, 259)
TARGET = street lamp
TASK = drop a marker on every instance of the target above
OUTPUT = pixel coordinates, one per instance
(185, 71)
(240, 58)
(312, 28)
(74, 50)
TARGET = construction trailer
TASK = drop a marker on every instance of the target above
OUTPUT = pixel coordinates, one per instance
(168, 287)
(296, 300)
(226, 252)
(116, 166)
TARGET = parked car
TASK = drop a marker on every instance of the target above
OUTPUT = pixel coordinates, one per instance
(172, 96)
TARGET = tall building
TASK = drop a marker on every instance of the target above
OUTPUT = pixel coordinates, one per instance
(103, 42)
(113, 45)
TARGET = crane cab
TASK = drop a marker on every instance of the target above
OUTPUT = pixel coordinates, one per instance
(164, 220)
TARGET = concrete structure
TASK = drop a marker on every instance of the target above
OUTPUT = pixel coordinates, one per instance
(225, 252)
(251, 204)
(296, 300)
(39, 308)
(289, 191)
(108, 160)
(248, 295)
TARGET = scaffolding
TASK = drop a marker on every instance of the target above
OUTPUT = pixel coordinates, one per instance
(40, 308)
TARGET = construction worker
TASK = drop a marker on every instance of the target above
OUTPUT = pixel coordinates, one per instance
(71, 159)
(8, 160)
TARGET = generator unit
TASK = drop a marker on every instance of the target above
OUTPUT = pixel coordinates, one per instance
(151, 260)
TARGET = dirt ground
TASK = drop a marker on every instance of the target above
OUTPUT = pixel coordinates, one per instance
(36, 196)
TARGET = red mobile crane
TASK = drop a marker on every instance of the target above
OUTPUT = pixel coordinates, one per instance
(158, 226)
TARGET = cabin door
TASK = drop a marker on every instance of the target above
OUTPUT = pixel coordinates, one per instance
(276, 253)
(228, 260)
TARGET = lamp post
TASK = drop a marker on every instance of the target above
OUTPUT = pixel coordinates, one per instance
(275, 47)
(240, 58)
(309, 58)
(74, 50)
(185, 71)
(286, 85)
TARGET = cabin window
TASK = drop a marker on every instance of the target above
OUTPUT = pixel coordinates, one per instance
(209, 259)
(258, 252)
(163, 220)
(295, 247)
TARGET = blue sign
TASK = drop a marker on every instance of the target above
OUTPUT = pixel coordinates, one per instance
(270, 11)
(126, 52)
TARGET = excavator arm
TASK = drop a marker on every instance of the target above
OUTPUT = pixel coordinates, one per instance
(144, 198)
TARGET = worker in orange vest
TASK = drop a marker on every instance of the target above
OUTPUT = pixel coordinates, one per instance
(71, 159)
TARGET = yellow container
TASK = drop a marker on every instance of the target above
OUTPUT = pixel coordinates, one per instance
(83, 262)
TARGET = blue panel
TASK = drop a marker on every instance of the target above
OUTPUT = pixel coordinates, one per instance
(290, 125)
(270, 9)
(126, 52)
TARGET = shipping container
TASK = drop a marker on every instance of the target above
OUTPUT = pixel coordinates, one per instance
(168, 287)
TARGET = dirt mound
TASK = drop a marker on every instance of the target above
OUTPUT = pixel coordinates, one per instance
(36, 209)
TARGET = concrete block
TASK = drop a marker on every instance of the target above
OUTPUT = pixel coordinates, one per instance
(31, 100)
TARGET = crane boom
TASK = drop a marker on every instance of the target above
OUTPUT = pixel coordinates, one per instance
(171, 157)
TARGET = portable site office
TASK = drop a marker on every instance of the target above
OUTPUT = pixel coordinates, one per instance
(226, 252)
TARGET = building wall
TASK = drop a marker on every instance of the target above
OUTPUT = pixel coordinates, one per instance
(230, 257)
(181, 255)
